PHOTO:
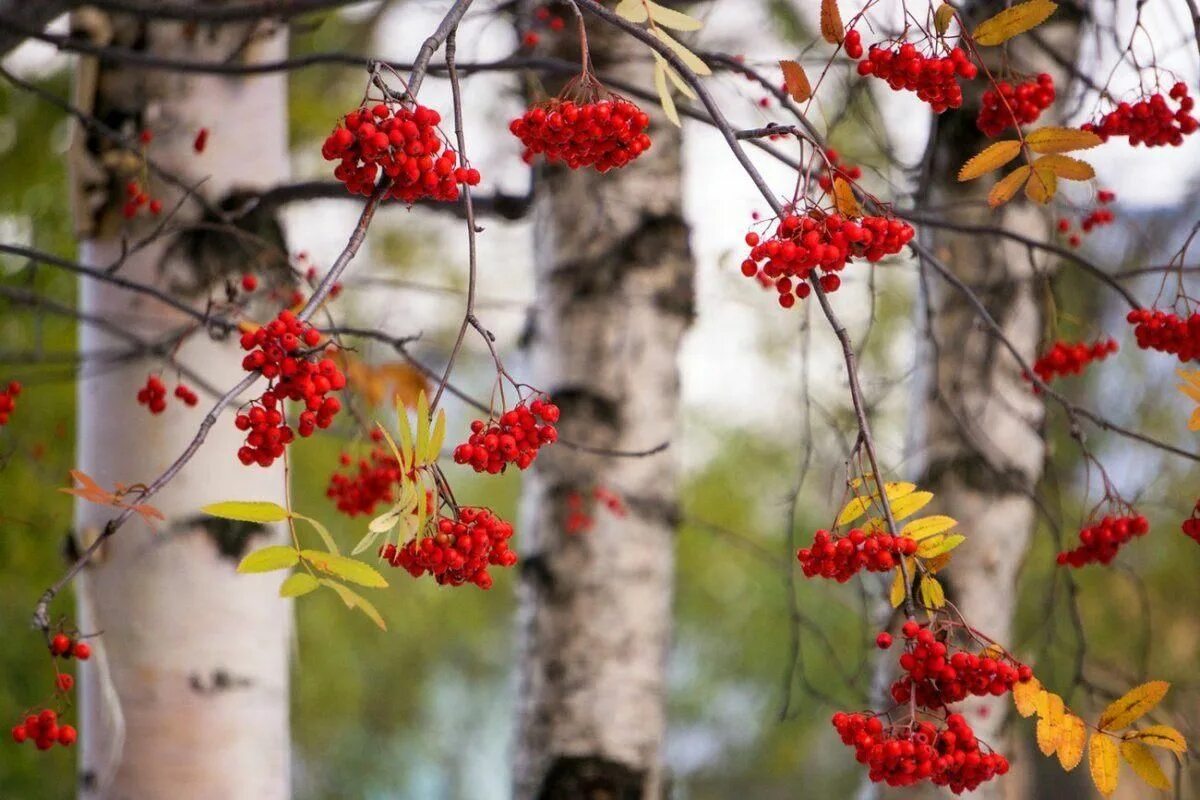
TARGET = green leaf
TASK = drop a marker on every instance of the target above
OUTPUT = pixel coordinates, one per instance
(346, 568)
(247, 511)
(326, 536)
(269, 559)
(366, 542)
(353, 599)
(297, 584)
(693, 61)
(385, 521)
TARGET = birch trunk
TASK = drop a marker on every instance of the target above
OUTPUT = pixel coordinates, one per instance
(614, 298)
(187, 695)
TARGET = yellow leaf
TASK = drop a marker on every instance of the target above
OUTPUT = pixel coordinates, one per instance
(1006, 188)
(844, 200)
(942, 18)
(898, 589)
(690, 59)
(1138, 756)
(1012, 21)
(247, 511)
(939, 545)
(680, 83)
(910, 504)
(1065, 167)
(1071, 739)
(1103, 763)
(421, 443)
(405, 456)
(297, 584)
(1190, 390)
(1025, 696)
(269, 559)
(1049, 725)
(928, 526)
(632, 10)
(1132, 705)
(832, 30)
(1061, 140)
(1041, 186)
(664, 92)
(1194, 421)
(1191, 377)
(347, 568)
(671, 18)
(322, 531)
(937, 563)
(353, 599)
(993, 157)
(932, 594)
(1163, 736)
(795, 80)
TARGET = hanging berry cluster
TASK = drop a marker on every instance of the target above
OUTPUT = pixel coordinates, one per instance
(815, 241)
(1167, 332)
(1071, 358)
(285, 352)
(514, 438)
(136, 199)
(403, 144)
(904, 755)
(8, 400)
(835, 168)
(1191, 525)
(933, 78)
(1009, 106)
(154, 395)
(1150, 121)
(63, 646)
(543, 16)
(935, 678)
(841, 558)
(360, 492)
(1099, 543)
(460, 552)
(44, 731)
(600, 132)
(1096, 218)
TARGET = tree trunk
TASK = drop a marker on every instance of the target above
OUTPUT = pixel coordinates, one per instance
(614, 298)
(187, 695)
(985, 447)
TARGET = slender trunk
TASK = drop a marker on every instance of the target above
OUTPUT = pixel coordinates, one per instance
(188, 693)
(614, 298)
(985, 446)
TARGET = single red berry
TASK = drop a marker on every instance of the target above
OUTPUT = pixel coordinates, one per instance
(249, 282)
(201, 140)
(883, 641)
(60, 644)
(82, 651)
(910, 629)
(67, 735)
(64, 682)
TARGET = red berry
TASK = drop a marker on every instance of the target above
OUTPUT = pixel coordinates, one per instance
(82, 651)
(883, 641)
(60, 644)
(249, 282)
(64, 682)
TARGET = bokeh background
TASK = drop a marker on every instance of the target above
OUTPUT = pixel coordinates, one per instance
(424, 711)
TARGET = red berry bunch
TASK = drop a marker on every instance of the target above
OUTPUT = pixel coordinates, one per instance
(278, 351)
(1009, 106)
(137, 199)
(842, 557)
(514, 438)
(826, 242)
(935, 678)
(1150, 121)
(853, 44)
(933, 78)
(602, 133)
(1099, 543)
(460, 552)
(402, 143)
(8, 400)
(1167, 332)
(835, 168)
(1067, 358)
(63, 646)
(1098, 217)
(153, 395)
(44, 731)
(543, 16)
(906, 755)
(1191, 525)
(360, 492)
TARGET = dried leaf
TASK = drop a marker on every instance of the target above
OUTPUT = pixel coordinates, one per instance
(1013, 21)
(1065, 167)
(664, 92)
(1061, 140)
(844, 200)
(942, 18)
(795, 79)
(1163, 736)
(1132, 705)
(1103, 763)
(1071, 739)
(1138, 756)
(993, 157)
(670, 18)
(632, 10)
(832, 29)
(690, 59)
(1006, 188)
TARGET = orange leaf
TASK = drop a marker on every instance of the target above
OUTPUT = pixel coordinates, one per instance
(796, 81)
(832, 30)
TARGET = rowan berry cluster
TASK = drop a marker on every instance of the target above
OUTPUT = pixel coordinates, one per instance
(1009, 106)
(1071, 358)
(514, 438)
(1099, 543)
(826, 242)
(853, 44)
(460, 552)
(1167, 332)
(906, 755)
(1191, 525)
(543, 16)
(359, 492)
(44, 731)
(285, 352)
(1150, 121)
(403, 144)
(153, 395)
(933, 78)
(600, 133)
(1096, 218)
(63, 646)
(8, 400)
(934, 678)
(136, 199)
(840, 558)
(835, 168)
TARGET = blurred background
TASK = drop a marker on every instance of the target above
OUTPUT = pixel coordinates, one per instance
(425, 710)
